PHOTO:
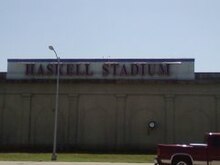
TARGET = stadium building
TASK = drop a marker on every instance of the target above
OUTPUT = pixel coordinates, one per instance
(106, 104)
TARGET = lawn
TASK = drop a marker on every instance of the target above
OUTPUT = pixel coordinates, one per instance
(75, 157)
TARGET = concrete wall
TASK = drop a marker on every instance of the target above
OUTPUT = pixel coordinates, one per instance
(107, 116)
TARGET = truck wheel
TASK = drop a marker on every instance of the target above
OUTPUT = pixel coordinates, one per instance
(181, 162)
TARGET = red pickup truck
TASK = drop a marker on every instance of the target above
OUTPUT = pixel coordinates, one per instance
(190, 154)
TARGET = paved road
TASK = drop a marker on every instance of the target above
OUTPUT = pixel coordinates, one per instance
(67, 163)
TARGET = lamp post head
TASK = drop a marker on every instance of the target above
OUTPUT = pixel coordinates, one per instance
(51, 48)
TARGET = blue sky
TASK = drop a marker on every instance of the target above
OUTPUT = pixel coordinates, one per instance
(112, 29)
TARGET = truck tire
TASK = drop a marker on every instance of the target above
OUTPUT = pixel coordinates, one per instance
(181, 162)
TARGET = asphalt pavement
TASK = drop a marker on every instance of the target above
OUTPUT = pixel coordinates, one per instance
(66, 163)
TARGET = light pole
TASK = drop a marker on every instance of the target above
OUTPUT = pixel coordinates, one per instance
(54, 155)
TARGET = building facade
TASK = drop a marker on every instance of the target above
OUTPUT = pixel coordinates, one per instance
(107, 105)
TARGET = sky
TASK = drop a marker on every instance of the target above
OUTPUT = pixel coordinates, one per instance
(111, 29)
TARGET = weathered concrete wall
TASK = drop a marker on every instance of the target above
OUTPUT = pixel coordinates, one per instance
(107, 116)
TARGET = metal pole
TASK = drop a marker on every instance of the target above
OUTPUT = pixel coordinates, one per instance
(54, 154)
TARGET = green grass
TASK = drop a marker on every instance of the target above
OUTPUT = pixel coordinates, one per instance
(73, 157)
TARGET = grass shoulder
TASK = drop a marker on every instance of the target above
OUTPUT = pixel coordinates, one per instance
(78, 157)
